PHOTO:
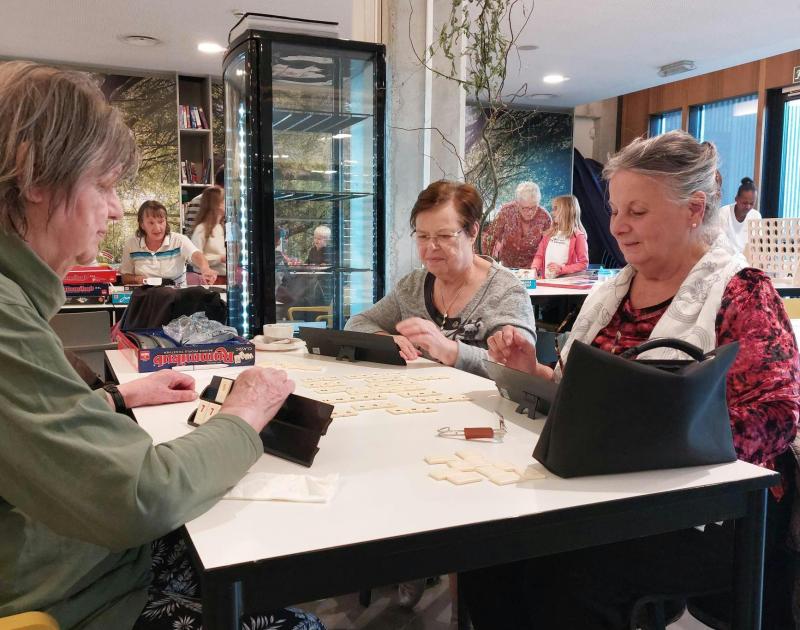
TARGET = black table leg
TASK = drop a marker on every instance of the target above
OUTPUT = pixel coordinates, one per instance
(461, 608)
(748, 577)
(222, 605)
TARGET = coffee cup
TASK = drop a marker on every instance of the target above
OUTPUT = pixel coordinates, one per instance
(275, 332)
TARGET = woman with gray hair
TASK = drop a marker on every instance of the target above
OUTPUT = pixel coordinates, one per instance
(83, 489)
(518, 228)
(682, 281)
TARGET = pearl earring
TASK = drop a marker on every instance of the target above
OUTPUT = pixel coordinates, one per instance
(694, 225)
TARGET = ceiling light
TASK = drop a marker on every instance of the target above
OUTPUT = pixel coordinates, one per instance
(340, 136)
(555, 78)
(676, 67)
(143, 41)
(210, 47)
(528, 47)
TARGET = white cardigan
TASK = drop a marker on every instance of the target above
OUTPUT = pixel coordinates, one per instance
(213, 246)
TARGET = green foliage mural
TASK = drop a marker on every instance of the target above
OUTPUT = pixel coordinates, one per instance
(148, 107)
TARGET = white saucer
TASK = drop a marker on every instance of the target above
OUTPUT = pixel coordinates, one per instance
(282, 345)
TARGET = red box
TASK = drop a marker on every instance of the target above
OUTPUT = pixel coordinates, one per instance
(83, 274)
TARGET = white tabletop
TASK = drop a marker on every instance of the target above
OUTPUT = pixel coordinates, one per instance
(384, 488)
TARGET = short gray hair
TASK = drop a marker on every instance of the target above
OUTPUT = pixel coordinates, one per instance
(322, 230)
(55, 129)
(529, 191)
(683, 164)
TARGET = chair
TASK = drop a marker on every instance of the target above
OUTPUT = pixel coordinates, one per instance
(792, 306)
(28, 621)
(326, 313)
(86, 334)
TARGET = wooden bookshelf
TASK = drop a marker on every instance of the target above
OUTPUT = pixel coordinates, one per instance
(195, 142)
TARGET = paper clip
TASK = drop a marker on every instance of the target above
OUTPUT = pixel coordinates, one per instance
(475, 433)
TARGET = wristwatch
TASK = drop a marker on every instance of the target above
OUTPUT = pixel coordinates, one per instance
(116, 396)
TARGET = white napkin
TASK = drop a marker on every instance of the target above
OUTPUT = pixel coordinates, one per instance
(260, 486)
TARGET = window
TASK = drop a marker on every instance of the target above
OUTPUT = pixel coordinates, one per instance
(664, 122)
(789, 204)
(731, 126)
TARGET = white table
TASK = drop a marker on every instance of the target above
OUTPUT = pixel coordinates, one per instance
(390, 522)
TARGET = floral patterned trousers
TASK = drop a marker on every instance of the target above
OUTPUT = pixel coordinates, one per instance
(173, 602)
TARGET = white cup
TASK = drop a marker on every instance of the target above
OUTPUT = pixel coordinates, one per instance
(278, 331)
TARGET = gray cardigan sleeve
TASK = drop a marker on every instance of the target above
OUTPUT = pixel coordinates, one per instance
(506, 302)
(385, 314)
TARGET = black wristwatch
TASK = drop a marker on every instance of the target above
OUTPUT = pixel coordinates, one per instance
(119, 401)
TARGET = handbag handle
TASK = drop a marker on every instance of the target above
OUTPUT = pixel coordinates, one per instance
(678, 344)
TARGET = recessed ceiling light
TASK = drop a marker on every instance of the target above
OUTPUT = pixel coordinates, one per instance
(143, 41)
(676, 67)
(210, 47)
(528, 47)
(555, 78)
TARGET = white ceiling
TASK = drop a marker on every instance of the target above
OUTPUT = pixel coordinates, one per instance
(606, 47)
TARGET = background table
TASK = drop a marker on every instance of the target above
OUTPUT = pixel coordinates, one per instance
(390, 522)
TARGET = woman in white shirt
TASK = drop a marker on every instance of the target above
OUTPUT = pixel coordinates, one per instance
(157, 252)
(734, 217)
(563, 248)
(209, 234)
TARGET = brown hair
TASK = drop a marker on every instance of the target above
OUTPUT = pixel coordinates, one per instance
(207, 214)
(153, 208)
(466, 200)
(56, 128)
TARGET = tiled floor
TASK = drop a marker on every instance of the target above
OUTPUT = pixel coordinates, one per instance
(432, 613)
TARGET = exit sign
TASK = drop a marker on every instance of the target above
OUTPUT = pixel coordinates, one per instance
(796, 75)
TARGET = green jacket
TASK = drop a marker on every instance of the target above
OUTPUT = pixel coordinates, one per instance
(83, 490)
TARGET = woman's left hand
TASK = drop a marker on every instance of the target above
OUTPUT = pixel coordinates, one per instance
(554, 268)
(425, 335)
(162, 387)
(209, 276)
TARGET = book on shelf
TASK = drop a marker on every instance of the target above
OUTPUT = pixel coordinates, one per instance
(196, 172)
(192, 117)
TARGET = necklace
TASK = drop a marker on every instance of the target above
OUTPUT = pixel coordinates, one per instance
(448, 306)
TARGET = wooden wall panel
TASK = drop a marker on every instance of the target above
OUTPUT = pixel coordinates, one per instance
(750, 78)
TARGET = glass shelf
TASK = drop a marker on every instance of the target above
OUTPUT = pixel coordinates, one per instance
(315, 122)
(316, 195)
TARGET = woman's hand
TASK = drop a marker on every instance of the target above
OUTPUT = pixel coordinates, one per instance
(209, 275)
(407, 349)
(424, 334)
(257, 396)
(160, 388)
(511, 348)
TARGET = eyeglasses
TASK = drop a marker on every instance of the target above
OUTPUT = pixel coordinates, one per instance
(443, 239)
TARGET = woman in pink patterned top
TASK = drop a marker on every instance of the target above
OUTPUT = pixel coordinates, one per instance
(681, 281)
(519, 226)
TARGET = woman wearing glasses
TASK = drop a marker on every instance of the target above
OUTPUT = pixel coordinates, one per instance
(448, 310)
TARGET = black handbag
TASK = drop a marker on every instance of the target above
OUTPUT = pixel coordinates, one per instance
(612, 414)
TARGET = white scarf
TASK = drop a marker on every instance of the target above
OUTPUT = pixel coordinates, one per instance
(691, 316)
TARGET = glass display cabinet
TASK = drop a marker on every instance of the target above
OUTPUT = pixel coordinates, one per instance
(304, 178)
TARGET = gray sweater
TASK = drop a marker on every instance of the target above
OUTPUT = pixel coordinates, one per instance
(500, 300)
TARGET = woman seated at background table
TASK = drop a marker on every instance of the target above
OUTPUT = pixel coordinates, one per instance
(156, 252)
(448, 310)
(681, 281)
(563, 248)
(209, 234)
(84, 489)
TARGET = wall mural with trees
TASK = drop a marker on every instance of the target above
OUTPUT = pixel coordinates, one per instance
(148, 105)
(528, 146)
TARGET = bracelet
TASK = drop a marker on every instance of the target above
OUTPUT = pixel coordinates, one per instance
(116, 396)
